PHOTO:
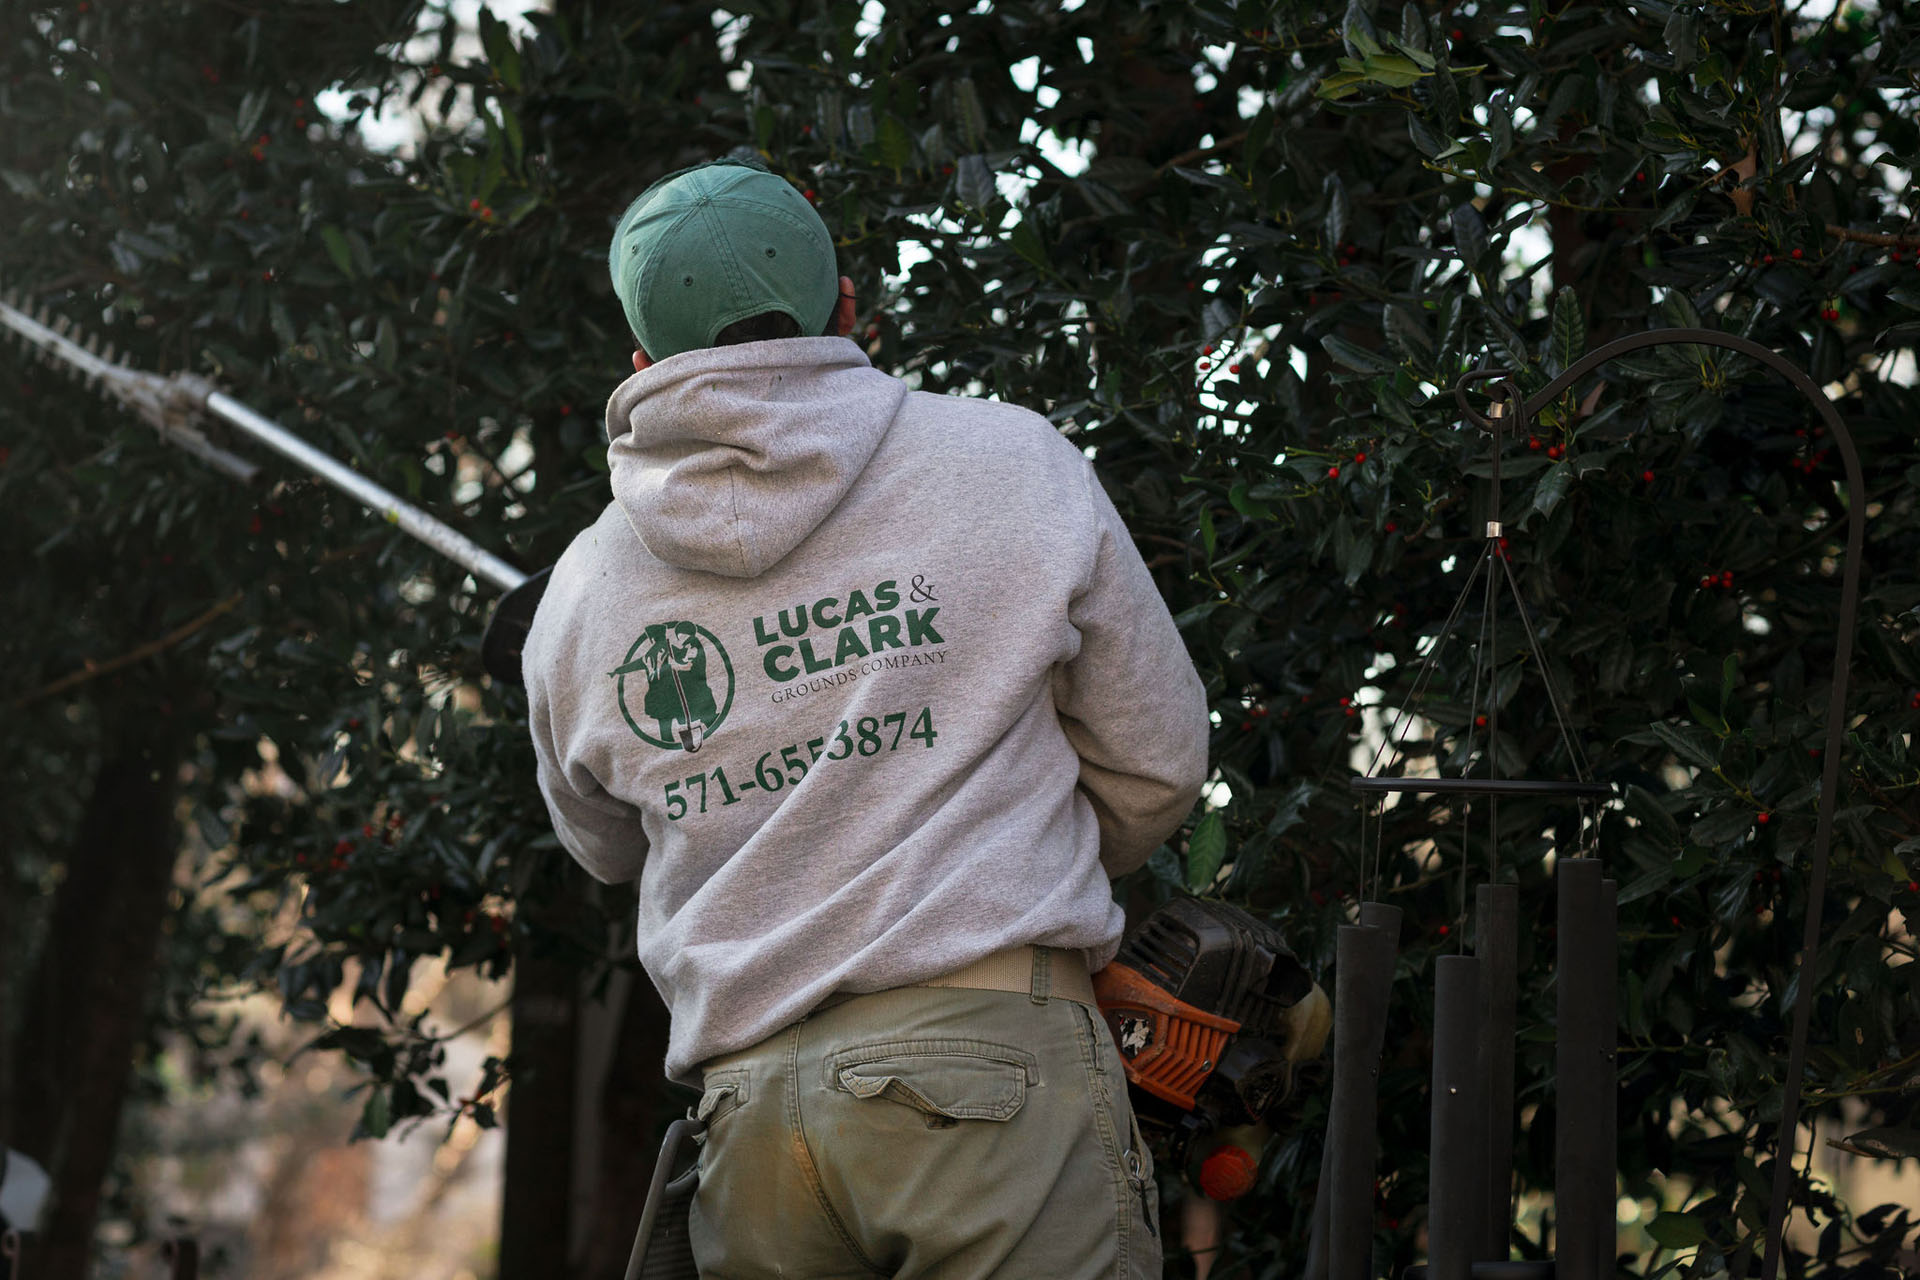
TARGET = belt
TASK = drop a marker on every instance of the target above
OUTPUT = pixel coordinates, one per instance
(1039, 971)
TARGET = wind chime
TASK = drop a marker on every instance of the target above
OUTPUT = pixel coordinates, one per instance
(1470, 1200)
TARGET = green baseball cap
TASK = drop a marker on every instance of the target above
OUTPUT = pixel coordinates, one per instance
(706, 246)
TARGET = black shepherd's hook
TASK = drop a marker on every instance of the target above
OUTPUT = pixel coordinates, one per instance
(1519, 413)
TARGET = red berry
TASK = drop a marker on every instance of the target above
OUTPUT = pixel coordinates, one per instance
(1445, 930)
(1768, 259)
(1813, 753)
(299, 103)
(366, 828)
(342, 847)
(253, 525)
(1306, 698)
(354, 723)
(1205, 365)
(299, 122)
(565, 409)
(1233, 368)
(1503, 544)
(808, 193)
(1359, 457)
(1533, 442)
(1641, 176)
(1763, 817)
(1258, 713)
(1673, 920)
(1913, 886)
(1706, 582)
(1207, 350)
(1798, 254)
(1646, 477)
(474, 204)
(1346, 702)
(1246, 726)
(267, 276)
(1557, 451)
(1353, 711)
(1726, 577)
(1333, 472)
(1391, 526)
(1456, 34)
(1479, 722)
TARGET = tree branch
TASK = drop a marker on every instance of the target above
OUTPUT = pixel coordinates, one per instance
(91, 669)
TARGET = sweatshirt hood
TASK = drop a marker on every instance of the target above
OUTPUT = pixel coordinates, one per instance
(726, 458)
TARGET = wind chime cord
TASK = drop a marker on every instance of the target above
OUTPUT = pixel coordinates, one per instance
(1574, 754)
(1427, 667)
(1482, 660)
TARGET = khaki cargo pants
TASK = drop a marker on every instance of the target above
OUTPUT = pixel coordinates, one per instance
(927, 1132)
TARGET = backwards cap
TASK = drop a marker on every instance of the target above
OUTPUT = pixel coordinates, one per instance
(706, 246)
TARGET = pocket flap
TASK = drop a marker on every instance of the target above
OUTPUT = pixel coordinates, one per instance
(954, 1086)
(722, 1094)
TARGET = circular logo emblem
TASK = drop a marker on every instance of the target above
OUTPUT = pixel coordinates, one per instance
(675, 685)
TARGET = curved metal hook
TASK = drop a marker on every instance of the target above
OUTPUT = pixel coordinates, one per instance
(1836, 708)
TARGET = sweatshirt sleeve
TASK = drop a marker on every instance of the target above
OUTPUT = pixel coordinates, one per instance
(1130, 700)
(603, 834)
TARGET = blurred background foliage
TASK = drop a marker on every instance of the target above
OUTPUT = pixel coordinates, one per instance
(1243, 249)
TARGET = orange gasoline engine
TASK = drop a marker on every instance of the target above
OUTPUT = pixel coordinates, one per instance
(1217, 1023)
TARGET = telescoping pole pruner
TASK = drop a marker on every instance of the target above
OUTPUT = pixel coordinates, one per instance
(170, 405)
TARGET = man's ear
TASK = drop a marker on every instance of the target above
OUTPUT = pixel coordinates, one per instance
(641, 361)
(843, 312)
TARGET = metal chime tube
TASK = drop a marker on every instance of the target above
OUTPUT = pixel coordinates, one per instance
(1363, 978)
(1584, 1159)
(1455, 1212)
(1497, 943)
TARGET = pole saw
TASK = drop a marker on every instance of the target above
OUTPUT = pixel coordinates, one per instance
(1262, 1016)
(172, 404)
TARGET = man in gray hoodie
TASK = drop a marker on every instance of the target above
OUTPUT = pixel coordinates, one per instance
(871, 692)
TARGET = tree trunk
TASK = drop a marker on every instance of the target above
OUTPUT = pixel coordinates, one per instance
(84, 1009)
(631, 1100)
(538, 1197)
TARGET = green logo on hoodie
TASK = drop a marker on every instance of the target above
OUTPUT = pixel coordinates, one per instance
(669, 678)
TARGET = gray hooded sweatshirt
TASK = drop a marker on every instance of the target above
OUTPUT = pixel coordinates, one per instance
(861, 683)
